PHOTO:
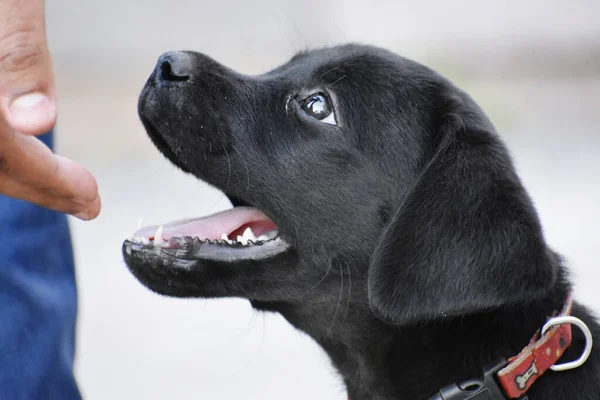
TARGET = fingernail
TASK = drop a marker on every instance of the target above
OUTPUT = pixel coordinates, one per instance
(82, 215)
(31, 111)
(28, 101)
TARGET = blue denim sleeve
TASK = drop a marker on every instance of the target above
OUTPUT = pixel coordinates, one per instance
(38, 303)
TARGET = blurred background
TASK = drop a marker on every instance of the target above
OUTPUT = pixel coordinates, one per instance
(534, 66)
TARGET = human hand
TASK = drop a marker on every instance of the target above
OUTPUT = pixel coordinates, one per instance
(28, 169)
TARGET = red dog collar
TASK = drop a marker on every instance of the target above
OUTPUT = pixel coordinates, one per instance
(535, 359)
(513, 379)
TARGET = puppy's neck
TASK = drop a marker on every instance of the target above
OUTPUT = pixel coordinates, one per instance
(378, 361)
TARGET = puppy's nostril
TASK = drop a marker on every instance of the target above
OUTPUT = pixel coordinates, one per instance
(168, 73)
(175, 66)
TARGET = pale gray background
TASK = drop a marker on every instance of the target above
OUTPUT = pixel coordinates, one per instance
(534, 66)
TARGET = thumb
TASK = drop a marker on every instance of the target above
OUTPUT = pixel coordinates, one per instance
(27, 93)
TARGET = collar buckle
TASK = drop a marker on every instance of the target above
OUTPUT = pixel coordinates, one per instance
(483, 388)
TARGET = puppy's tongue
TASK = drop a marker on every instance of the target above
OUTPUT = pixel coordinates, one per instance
(231, 223)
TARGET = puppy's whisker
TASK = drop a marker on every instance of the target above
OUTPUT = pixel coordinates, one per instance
(228, 169)
(337, 307)
(286, 31)
(257, 352)
(341, 31)
(328, 71)
(222, 196)
(338, 80)
(219, 199)
(349, 292)
(156, 169)
(301, 34)
(318, 283)
(249, 325)
(247, 169)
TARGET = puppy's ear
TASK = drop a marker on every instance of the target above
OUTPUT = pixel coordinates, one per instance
(467, 237)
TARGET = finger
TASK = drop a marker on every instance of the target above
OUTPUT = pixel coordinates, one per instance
(27, 160)
(15, 189)
(27, 93)
(32, 163)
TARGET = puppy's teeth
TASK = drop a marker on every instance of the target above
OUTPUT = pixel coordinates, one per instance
(249, 235)
(225, 239)
(158, 238)
(242, 240)
(269, 235)
(145, 241)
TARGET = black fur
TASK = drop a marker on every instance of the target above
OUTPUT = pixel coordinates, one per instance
(416, 254)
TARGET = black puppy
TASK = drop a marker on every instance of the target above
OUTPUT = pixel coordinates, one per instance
(375, 208)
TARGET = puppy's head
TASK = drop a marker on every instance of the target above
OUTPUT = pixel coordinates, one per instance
(348, 152)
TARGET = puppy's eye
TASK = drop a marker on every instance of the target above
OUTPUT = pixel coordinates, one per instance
(319, 107)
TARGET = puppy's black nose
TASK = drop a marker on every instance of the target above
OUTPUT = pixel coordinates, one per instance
(174, 66)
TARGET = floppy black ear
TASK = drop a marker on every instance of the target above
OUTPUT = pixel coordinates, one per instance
(467, 237)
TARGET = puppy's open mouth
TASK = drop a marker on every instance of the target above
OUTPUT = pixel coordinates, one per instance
(241, 233)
